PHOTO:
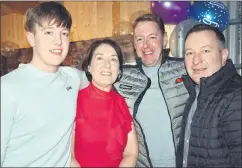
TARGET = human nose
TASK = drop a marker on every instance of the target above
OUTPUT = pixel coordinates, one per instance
(146, 43)
(107, 63)
(197, 59)
(58, 39)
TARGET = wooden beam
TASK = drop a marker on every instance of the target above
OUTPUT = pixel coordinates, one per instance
(116, 18)
(8, 7)
(5, 10)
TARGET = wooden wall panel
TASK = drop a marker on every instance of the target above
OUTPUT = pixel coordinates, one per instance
(129, 8)
(104, 24)
(115, 15)
(12, 29)
(91, 19)
(98, 19)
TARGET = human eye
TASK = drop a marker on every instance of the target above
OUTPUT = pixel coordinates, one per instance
(188, 53)
(114, 59)
(153, 37)
(66, 34)
(139, 39)
(206, 51)
(48, 32)
(99, 58)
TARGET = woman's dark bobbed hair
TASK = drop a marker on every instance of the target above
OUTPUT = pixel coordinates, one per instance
(90, 52)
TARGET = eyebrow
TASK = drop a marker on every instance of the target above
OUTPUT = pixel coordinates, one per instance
(113, 55)
(50, 27)
(156, 34)
(98, 54)
(137, 36)
(201, 47)
(187, 49)
(43, 28)
(206, 46)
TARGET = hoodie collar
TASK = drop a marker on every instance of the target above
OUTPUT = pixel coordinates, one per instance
(212, 83)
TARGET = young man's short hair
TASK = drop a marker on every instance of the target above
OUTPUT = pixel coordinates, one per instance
(47, 12)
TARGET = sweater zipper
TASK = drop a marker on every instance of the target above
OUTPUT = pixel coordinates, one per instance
(136, 104)
(167, 109)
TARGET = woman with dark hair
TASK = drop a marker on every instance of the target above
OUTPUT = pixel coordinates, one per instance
(104, 132)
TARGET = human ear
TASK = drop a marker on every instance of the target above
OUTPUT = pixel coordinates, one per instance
(224, 54)
(31, 38)
(89, 69)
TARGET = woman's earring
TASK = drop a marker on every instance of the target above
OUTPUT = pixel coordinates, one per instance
(119, 76)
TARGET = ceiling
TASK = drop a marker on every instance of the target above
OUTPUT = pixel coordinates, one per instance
(8, 7)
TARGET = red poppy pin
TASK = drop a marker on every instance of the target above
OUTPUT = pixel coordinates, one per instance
(179, 80)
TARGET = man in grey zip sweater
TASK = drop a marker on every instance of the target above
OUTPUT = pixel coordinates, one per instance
(155, 94)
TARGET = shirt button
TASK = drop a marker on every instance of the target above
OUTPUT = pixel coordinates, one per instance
(187, 141)
(184, 161)
(190, 121)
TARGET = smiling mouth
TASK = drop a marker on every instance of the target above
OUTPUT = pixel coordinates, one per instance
(56, 51)
(148, 53)
(106, 73)
(199, 70)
